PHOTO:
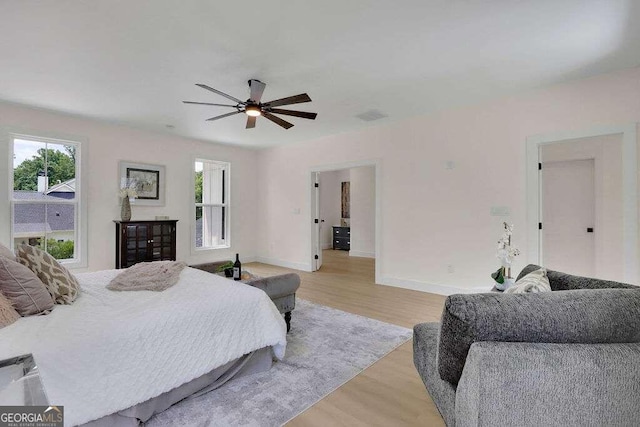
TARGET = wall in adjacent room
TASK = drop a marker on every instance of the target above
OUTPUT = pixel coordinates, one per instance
(440, 174)
(363, 212)
(110, 143)
(330, 190)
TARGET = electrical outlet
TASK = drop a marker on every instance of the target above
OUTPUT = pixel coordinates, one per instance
(450, 269)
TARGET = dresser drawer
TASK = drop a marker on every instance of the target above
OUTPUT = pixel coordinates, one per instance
(341, 243)
(341, 231)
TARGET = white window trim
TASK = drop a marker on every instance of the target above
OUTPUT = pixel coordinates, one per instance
(227, 205)
(81, 230)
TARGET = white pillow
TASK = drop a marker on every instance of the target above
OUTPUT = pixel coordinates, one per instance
(536, 281)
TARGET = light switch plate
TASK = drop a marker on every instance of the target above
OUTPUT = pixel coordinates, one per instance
(500, 211)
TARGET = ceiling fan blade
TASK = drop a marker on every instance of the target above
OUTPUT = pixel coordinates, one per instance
(208, 103)
(303, 114)
(277, 120)
(251, 122)
(257, 88)
(296, 99)
(220, 93)
(224, 115)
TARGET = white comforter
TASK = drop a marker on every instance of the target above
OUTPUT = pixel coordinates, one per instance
(111, 350)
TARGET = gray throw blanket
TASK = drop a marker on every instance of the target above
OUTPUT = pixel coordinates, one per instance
(148, 276)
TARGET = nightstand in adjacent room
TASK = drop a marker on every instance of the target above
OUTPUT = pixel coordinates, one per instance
(342, 238)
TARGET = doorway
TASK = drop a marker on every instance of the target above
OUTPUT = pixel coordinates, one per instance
(596, 237)
(333, 228)
(345, 227)
(568, 212)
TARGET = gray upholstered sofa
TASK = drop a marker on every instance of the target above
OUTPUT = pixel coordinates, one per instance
(281, 288)
(570, 357)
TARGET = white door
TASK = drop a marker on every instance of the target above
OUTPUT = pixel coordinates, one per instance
(568, 216)
(318, 223)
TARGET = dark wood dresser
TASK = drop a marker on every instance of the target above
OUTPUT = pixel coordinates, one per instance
(139, 241)
(342, 238)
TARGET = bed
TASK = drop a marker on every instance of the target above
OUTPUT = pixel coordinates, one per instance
(113, 358)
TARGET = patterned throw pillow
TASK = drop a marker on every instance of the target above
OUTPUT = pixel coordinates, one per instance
(8, 314)
(536, 281)
(61, 284)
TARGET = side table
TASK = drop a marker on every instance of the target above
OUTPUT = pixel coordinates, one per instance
(20, 383)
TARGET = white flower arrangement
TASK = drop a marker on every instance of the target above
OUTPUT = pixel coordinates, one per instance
(128, 190)
(505, 253)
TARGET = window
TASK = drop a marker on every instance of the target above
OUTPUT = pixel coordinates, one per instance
(211, 204)
(45, 197)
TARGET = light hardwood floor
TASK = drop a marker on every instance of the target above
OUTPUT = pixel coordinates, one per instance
(390, 392)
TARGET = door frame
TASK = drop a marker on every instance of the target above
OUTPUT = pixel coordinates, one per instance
(629, 191)
(317, 227)
(376, 164)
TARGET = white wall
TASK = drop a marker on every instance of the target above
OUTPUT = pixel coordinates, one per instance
(107, 145)
(363, 212)
(435, 219)
(607, 154)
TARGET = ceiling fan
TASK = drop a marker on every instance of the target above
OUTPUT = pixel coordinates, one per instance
(253, 108)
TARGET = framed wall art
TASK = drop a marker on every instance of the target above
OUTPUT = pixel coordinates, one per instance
(147, 180)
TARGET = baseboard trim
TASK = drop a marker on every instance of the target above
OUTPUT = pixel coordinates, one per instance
(431, 288)
(286, 264)
(362, 254)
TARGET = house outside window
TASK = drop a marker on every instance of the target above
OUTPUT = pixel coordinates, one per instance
(47, 207)
(211, 194)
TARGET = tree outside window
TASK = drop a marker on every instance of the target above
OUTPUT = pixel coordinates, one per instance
(44, 199)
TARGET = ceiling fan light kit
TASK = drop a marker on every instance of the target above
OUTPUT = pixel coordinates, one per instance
(253, 108)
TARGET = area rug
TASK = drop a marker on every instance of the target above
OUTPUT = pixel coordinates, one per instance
(325, 349)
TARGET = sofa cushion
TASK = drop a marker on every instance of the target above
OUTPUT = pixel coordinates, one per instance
(443, 394)
(581, 316)
(567, 282)
(277, 286)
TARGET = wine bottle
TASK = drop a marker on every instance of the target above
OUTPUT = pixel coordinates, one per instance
(237, 268)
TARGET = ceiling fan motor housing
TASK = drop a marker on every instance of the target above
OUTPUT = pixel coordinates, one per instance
(253, 107)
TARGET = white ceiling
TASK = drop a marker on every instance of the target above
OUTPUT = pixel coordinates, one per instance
(134, 62)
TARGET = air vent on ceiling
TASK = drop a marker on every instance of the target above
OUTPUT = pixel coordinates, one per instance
(371, 115)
